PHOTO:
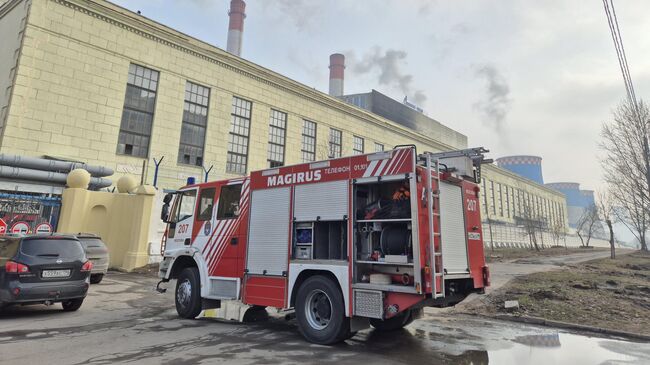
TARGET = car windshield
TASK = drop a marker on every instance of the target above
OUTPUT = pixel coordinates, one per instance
(91, 242)
(52, 248)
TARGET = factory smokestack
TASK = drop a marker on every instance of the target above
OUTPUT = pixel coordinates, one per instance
(337, 68)
(236, 26)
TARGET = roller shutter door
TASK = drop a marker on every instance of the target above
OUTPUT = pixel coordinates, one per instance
(453, 236)
(324, 201)
(268, 240)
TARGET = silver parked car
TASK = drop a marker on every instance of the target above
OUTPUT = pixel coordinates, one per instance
(97, 252)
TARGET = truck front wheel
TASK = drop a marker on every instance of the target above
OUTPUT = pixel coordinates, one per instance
(395, 323)
(188, 294)
(320, 311)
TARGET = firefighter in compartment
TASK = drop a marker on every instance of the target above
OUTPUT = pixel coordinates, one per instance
(396, 207)
(402, 193)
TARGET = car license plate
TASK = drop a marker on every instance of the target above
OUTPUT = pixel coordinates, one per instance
(55, 273)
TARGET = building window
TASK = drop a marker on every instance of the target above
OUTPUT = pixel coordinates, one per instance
(308, 141)
(379, 147)
(195, 120)
(137, 114)
(485, 202)
(500, 197)
(277, 138)
(507, 188)
(239, 132)
(336, 138)
(357, 146)
(494, 206)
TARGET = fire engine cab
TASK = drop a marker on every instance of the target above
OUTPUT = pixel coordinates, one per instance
(345, 243)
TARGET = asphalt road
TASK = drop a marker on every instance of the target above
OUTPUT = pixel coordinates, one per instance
(125, 321)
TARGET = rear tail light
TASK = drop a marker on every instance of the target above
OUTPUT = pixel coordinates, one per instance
(16, 268)
(88, 265)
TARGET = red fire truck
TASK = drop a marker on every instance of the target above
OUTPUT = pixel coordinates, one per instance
(345, 243)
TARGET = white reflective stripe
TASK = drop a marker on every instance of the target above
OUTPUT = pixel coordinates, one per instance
(380, 169)
(370, 169)
(398, 163)
(393, 159)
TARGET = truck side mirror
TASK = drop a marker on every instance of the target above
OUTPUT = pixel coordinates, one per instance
(168, 198)
(164, 214)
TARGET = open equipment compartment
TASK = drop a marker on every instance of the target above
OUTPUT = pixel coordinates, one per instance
(383, 243)
(320, 240)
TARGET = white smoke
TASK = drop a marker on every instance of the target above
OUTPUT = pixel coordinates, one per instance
(496, 102)
(388, 67)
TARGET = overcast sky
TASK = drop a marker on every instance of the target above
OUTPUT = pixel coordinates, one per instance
(518, 77)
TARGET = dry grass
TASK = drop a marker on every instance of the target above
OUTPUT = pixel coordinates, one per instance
(613, 294)
(510, 254)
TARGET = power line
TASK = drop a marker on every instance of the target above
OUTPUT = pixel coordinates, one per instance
(614, 29)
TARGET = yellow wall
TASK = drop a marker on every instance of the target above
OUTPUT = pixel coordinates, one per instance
(122, 220)
(71, 81)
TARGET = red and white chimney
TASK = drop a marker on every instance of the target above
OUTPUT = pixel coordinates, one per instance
(337, 68)
(236, 26)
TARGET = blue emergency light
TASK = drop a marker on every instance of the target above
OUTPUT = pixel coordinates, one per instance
(191, 180)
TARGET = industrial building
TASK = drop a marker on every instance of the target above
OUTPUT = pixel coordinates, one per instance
(90, 82)
(577, 200)
(529, 167)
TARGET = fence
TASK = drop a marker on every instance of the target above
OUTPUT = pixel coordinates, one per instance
(29, 213)
(510, 236)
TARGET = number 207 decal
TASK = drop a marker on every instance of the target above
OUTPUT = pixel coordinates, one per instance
(182, 228)
(471, 205)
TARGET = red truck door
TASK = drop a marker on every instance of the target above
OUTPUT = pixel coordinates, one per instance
(223, 254)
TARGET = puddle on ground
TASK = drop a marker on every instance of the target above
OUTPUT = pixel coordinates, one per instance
(477, 342)
(563, 348)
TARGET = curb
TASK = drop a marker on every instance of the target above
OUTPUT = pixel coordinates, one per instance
(566, 325)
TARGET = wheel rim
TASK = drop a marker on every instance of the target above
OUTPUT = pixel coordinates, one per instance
(318, 308)
(184, 293)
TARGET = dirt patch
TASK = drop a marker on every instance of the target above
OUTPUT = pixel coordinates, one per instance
(147, 270)
(511, 254)
(612, 294)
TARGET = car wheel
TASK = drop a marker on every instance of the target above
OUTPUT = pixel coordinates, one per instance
(320, 311)
(188, 295)
(72, 304)
(399, 321)
(96, 278)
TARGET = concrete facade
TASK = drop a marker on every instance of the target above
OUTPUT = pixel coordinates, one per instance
(505, 193)
(68, 95)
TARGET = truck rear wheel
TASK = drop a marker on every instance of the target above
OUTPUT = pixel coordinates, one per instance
(392, 324)
(188, 294)
(320, 311)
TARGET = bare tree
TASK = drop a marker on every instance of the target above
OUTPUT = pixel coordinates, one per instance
(586, 225)
(606, 211)
(626, 165)
(558, 232)
(530, 220)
